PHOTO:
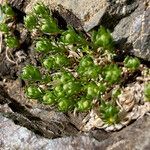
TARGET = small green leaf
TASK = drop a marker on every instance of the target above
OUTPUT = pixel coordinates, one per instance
(41, 10)
(30, 22)
(4, 28)
(65, 104)
(92, 90)
(103, 38)
(86, 61)
(112, 73)
(58, 91)
(11, 41)
(49, 62)
(34, 92)
(49, 26)
(30, 72)
(84, 105)
(8, 10)
(43, 45)
(71, 88)
(109, 113)
(71, 37)
(132, 63)
(66, 76)
(61, 60)
(49, 98)
(147, 92)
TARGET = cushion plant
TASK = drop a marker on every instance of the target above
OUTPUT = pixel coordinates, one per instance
(71, 83)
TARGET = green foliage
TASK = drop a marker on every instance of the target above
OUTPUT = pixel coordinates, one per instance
(92, 90)
(11, 41)
(7, 9)
(75, 71)
(41, 10)
(41, 19)
(88, 69)
(84, 105)
(56, 61)
(43, 45)
(4, 28)
(71, 37)
(132, 62)
(49, 26)
(147, 92)
(86, 82)
(109, 113)
(103, 38)
(66, 77)
(30, 22)
(49, 98)
(61, 60)
(31, 73)
(65, 104)
(48, 62)
(34, 92)
(112, 73)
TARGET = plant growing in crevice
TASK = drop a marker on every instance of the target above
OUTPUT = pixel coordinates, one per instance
(132, 63)
(72, 74)
(109, 112)
(8, 17)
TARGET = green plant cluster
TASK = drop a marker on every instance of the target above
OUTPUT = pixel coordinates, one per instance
(41, 18)
(109, 113)
(6, 26)
(69, 76)
(132, 63)
(70, 82)
(147, 91)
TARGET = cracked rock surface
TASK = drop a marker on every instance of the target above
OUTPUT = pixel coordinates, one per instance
(134, 137)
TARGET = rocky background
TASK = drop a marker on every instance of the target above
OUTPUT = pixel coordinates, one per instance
(34, 127)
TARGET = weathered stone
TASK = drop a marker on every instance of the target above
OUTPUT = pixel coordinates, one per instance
(133, 32)
(136, 136)
(49, 124)
(77, 12)
(16, 137)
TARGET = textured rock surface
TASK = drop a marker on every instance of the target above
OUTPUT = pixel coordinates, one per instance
(133, 31)
(134, 137)
(49, 124)
(77, 12)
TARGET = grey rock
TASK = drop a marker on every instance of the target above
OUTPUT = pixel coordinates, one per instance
(16, 137)
(133, 32)
(136, 136)
(49, 124)
(133, 137)
(80, 13)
